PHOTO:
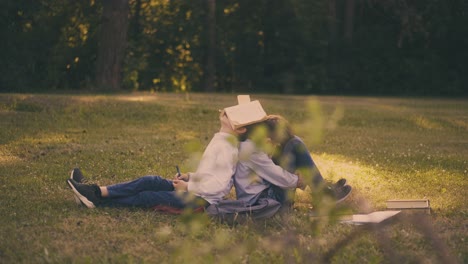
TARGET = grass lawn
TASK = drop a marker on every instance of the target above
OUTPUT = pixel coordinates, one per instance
(387, 148)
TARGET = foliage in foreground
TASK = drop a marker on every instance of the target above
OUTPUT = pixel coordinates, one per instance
(386, 148)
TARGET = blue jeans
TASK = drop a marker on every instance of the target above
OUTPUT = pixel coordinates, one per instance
(148, 192)
(294, 156)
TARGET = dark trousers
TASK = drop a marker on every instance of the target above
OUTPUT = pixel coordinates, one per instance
(148, 192)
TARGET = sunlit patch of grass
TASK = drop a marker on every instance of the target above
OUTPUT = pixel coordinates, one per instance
(426, 123)
(138, 98)
(91, 98)
(378, 185)
(459, 123)
(52, 138)
(361, 177)
(6, 157)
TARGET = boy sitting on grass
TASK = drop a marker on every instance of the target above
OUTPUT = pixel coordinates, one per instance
(257, 176)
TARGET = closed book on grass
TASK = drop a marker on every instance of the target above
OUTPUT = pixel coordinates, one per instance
(408, 204)
(245, 114)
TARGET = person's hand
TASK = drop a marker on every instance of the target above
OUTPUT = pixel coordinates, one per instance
(300, 182)
(180, 185)
(182, 176)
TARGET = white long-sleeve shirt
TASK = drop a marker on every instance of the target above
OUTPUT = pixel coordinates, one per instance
(213, 178)
(256, 172)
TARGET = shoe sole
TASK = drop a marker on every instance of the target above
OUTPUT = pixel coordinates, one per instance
(77, 200)
(346, 196)
(83, 199)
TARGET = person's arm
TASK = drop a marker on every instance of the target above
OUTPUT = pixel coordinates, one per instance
(266, 169)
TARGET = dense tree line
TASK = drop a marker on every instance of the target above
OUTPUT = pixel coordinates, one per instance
(409, 47)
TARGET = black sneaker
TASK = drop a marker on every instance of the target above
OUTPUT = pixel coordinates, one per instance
(77, 176)
(340, 183)
(88, 194)
(342, 193)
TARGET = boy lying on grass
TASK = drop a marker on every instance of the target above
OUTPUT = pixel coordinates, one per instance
(209, 184)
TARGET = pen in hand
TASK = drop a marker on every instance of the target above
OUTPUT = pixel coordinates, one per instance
(178, 171)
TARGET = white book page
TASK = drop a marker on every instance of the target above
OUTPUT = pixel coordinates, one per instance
(243, 99)
(375, 217)
(245, 113)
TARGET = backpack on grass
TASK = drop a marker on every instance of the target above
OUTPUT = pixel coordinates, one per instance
(235, 211)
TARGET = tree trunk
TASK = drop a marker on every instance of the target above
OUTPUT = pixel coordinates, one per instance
(347, 48)
(112, 44)
(341, 29)
(135, 25)
(210, 70)
(332, 44)
(269, 69)
(349, 21)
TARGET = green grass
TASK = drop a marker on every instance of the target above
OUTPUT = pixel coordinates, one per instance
(387, 148)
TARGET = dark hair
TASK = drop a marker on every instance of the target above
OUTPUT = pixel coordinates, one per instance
(279, 129)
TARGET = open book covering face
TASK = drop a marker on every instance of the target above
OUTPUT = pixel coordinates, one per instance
(245, 114)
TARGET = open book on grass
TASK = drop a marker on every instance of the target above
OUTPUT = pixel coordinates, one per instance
(372, 218)
(245, 114)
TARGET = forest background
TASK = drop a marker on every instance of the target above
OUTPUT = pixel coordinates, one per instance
(366, 47)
